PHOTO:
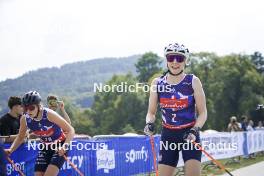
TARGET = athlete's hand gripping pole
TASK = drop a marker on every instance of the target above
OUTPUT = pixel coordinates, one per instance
(73, 166)
(213, 160)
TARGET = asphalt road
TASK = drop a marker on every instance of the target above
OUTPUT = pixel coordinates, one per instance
(252, 170)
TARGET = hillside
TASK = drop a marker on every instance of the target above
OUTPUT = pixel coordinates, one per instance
(74, 81)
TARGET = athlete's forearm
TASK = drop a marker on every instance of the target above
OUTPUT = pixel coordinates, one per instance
(152, 107)
(200, 121)
(18, 141)
(69, 136)
(150, 118)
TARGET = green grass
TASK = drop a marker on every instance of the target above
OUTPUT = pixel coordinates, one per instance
(232, 166)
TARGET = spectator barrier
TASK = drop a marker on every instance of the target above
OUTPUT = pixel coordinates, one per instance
(131, 155)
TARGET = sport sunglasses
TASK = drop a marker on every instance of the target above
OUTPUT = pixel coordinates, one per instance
(172, 57)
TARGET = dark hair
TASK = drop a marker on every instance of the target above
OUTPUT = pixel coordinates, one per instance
(13, 101)
(52, 97)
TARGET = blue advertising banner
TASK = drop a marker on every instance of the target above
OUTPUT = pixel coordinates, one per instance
(125, 156)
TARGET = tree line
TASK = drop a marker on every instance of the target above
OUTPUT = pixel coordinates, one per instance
(233, 85)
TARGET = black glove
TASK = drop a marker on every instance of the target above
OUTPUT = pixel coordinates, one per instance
(192, 134)
(149, 129)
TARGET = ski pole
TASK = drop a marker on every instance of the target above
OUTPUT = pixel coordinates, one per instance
(74, 167)
(209, 156)
(154, 154)
(14, 166)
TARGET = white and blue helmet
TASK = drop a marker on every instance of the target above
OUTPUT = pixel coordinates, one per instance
(176, 49)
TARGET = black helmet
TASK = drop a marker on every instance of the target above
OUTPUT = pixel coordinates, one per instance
(31, 97)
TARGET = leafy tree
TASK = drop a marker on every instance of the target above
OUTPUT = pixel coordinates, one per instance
(114, 110)
(74, 80)
(128, 129)
(232, 86)
(83, 123)
(258, 60)
(148, 65)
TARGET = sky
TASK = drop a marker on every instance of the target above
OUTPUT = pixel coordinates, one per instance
(46, 33)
